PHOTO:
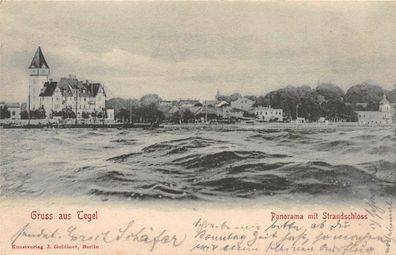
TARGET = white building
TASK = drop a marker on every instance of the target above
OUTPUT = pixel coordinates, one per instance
(383, 116)
(68, 93)
(242, 103)
(15, 111)
(110, 114)
(268, 114)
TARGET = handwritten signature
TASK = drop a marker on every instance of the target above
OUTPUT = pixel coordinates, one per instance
(128, 232)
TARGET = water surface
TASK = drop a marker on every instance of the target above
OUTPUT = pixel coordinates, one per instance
(137, 164)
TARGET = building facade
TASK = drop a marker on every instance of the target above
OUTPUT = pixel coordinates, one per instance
(82, 98)
(15, 111)
(381, 117)
(242, 103)
(268, 114)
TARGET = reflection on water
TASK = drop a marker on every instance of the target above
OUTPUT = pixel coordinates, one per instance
(197, 165)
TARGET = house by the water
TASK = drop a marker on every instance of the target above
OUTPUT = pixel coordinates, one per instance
(268, 113)
(243, 103)
(382, 117)
(85, 99)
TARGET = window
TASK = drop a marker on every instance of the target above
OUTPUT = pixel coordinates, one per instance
(13, 113)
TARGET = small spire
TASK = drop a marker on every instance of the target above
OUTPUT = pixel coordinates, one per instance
(384, 100)
(38, 60)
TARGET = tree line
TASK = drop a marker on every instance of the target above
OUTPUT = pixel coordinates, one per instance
(325, 100)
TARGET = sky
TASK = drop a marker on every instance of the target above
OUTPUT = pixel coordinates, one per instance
(191, 50)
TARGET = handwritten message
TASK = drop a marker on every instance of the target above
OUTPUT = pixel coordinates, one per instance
(368, 230)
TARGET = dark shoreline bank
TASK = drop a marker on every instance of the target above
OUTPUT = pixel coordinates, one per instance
(64, 126)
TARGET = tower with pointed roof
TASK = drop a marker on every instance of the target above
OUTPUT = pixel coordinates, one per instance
(38, 75)
(384, 105)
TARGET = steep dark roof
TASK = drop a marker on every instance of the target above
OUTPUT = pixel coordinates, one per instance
(93, 88)
(38, 60)
(68, 85)
(48, 89)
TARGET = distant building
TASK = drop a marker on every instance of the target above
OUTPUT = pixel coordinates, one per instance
(242, 103)
(167, 103)
(300, 120)
(187, 102)
(383, 116)
(211, 103)
(268, 113)
(73, 94)
(68, 93)
(14, 110)
(110, 114)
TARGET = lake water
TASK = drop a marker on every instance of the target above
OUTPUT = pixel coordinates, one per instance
(197, 164)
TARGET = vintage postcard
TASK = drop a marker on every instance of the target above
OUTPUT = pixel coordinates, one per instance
(194, 128)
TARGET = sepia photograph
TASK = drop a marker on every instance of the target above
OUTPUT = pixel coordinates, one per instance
(264, 127)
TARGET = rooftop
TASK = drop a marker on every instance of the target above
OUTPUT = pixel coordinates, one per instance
(38, 60)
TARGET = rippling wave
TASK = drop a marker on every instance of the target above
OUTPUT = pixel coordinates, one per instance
(201, 165)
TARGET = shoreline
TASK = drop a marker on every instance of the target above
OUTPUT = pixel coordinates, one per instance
(67, 126)
(273, 126)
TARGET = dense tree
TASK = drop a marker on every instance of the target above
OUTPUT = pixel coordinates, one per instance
(65, 113)
(391, 95)
(150, 99)
(24, 115)
(365, 93)
(85, 115)
(123, 114)
(336, 110)
(188, 116)
(37, 114)
(329, 91)
(285, 98)
(309, 107)
(261, 101)
(185, 116)
(326, 100)
(230, 98)
(118, 103)
(4, 112)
